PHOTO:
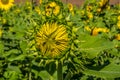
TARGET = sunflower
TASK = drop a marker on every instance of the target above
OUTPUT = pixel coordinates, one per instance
(52, 8)
(70, 6)
(40, 1)
(90, 15)
(96, 31)
(118, 36)
(118, 24)
(52, 39)
(56, 10)
(6, 4)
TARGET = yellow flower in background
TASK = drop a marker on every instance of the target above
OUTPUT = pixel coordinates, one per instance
(37, 9)
(1, 32)
(100, 4)
(103, 3)
(118, 36)
(56, 10)
(118, 24)
(52, 39)
(52, 8)
(119, 17)
(90, 15)
(48, 10)
(70, 6)
(89, 8)
(6, 4)
(52, 4)
(96, 31)
(99, 10)
(87, 28)
(108, 7)
(40, 1)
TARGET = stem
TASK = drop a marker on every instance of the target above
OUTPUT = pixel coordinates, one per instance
(59, 71)
(30, 76)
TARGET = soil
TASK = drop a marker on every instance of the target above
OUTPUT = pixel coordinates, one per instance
(74, 2)
(80, 2)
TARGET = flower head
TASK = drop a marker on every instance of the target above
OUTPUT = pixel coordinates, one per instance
(119, 17)
(52, 4)
(118, 36)
(37, 9)
(87, 28)
(56, 10)
(70, 6)
(118, 24)
(52, 8)
(6, 4)
(40, 1)
(89, 8)
(90, 15)
(52, 39)
(96, 31)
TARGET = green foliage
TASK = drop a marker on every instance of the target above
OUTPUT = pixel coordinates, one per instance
(93, 52)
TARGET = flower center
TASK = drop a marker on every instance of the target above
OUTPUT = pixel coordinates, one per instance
(4, 1)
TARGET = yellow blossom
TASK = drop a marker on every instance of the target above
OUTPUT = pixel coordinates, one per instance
(118, 24)
(119, 17)
(95, 31)
(52, 4)
(37, 9)
(100, 4)
(87, 28)
(103, 3)
(118, 36)
(90, 15)
(40, 1)
(70, 6)
(6, 4)
(1, 32)
(89, 8)
(99, 10)
(52, 39)
(56, 10)
(48, 10)
(108, 7)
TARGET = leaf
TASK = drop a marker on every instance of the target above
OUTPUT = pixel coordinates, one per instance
(11, 52)
(93, 45)
(11, 75)
(19, 35)
(23, 46)
(12, 72)
(100, 23)
(51, 67)
(68, 76)
(1, 48)
(20, 57)
(110, 71)
(44, 75)
(14, 68)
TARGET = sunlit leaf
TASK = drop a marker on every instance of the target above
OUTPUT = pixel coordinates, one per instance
(109, 71)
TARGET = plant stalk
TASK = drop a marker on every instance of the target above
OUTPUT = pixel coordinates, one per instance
(59, 71)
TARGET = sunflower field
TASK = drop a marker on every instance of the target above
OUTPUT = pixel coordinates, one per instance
(53, 40)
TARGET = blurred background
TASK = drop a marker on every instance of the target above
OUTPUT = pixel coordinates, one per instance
(74, 2)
